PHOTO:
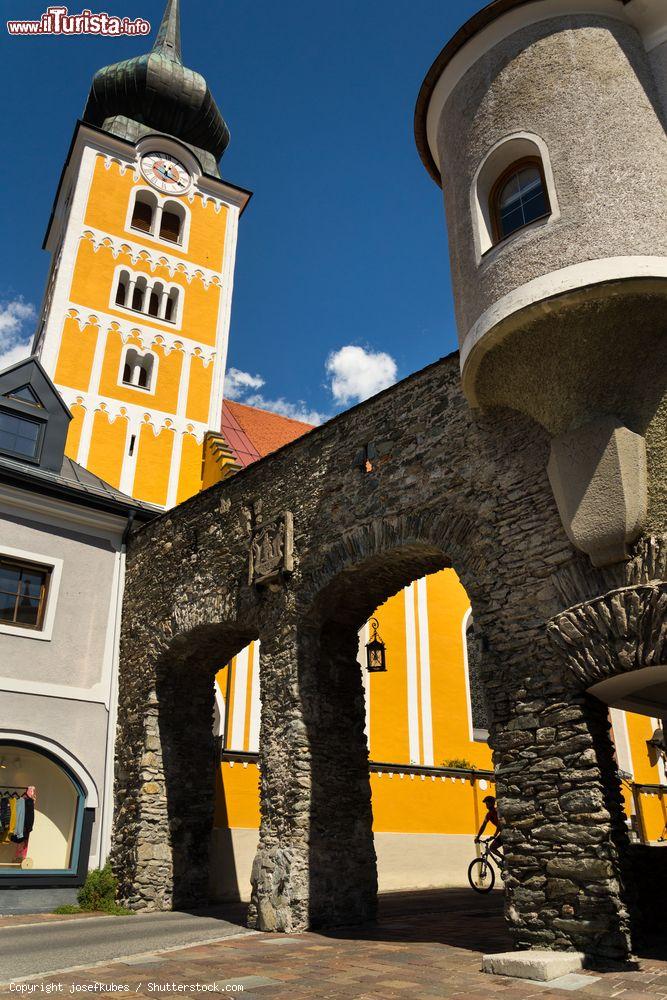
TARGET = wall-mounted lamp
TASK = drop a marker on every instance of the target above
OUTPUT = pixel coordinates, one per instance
(375, 651)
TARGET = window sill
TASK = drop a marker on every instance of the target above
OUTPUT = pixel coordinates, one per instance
(540, 223)
(24, 632)
(139, 388)
(158, 239)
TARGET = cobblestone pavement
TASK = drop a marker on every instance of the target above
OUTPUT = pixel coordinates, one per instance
(428, 945)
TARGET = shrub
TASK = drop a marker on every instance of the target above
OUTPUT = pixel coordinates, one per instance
(99, 890)
(459, 764)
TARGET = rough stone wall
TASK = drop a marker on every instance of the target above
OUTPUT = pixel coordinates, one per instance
(446, 488)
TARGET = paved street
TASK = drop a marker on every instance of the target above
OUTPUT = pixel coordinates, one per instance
(427, 945)
(31, 949)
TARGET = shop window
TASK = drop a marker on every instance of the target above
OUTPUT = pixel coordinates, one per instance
(23, 592)
(518, 197)
(145, 204)
(19, 436)
(138, 369)
(41, 814)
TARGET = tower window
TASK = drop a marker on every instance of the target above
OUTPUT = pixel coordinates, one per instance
(518, 197)
(143, 212)
(138, 369)
(171, 222)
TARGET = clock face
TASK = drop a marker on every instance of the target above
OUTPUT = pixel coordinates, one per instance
(165, 173)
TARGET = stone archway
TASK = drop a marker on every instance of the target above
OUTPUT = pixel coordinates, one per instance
(320, 868)
(166, 767)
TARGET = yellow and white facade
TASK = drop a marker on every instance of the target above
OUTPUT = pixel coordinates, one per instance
(127, 305)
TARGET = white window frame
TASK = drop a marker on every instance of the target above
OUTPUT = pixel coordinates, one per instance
(476, 735)
(169, 287)
(55, 568)
(153, 236)
(147, 390)
(506, 151)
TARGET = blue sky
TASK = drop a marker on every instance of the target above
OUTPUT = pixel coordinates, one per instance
(342, 252)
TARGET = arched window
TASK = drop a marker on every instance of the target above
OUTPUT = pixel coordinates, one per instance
(143, 212)
(139, 294)
(518, 197)
(171, 222)
(121, 288)
(138, 369)
(171, 306)
(478, 710)
(153, 303)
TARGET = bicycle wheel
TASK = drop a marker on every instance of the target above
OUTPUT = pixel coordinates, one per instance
(481, 875)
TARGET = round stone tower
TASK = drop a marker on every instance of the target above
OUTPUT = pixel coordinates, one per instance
(544, 123)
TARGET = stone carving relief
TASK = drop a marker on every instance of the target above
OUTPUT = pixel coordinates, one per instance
(272, 551)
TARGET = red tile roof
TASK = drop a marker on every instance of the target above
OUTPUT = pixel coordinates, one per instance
(252, 433)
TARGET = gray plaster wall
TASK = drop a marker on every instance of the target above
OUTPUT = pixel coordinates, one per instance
(75, 653)
(658, 59)
(584, 85)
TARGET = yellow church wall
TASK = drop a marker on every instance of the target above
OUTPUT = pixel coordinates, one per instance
(74, 430)
(167, 376)
(199, 390)
(94, 279)
(76, 353)
(640, 729)
(151, 478)
(424, 804)
(388, 691)
(110, 193)
(107, 447)
(448, 605)
(190, 473)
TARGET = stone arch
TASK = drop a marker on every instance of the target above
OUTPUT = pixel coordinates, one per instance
(316, 860)
(165, 784)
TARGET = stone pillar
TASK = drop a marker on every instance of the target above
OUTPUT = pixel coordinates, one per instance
(315, 863)
(165, 787)
(162, 308)
(559, 799)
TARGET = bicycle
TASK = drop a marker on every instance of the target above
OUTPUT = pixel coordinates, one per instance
(481, 873)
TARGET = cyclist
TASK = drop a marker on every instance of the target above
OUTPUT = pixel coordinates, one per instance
(491, 817)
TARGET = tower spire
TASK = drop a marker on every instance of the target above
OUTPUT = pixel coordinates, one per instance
(168, 39)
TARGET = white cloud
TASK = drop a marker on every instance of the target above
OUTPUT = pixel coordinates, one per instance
(357, 373)
(15, 353)
(296, 411)
(238, 383)
(239, 386)
(14, 343)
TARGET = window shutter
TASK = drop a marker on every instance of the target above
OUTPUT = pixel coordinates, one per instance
(170, 227)
(142, 216)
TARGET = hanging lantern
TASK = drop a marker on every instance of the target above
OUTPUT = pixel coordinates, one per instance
(375, 651)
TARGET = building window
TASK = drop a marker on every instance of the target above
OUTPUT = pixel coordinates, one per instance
(23, 592)
(19, 435)
(143, 211)
(152, 298)
(518, 197)
(478, 710)
(171, 223)
(138, 369)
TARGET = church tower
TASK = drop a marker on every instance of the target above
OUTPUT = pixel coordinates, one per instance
(135, 319)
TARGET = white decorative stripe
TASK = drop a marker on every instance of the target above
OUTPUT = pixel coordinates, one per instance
(619, 725)
(411, 657)
(148, 335)
(364, 636)
(425, 673)
(175, 470)
(240, 696)
(153, 259)
(255, 701)
(157, 419)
